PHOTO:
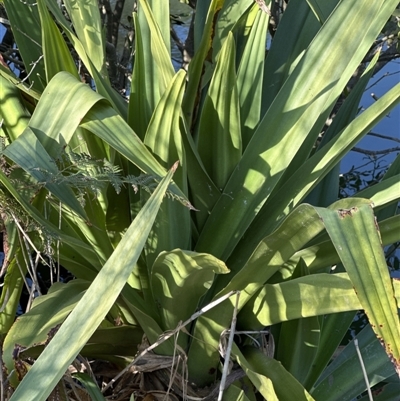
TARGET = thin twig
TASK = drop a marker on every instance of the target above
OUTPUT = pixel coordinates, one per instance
(389, 138)
(165, 336)
(376, 152)
(363, 370)
(228, 349)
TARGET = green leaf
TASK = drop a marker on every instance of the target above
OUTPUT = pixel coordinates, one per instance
(326, 192)
(269, 376)
(232, 11)
(296, 30)
(345, 375)
(171, 276)
(203, 190)
(93, 306)
(102, 85)
(250, 74)
(299, 228)
(195, 71)
(313, 295)
(355, 234)
(298, 341)
(334, 327)
(67, 101)
(85, 17)
(323, 254)
(219, 139)
(233, 393)
(90, 386)
(153, 69)
(316, 10)
(166, 145)
(57, 56)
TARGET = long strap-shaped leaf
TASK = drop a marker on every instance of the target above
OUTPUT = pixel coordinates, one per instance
(85, 17)
(57, 56)
(354, 232)
(93, 307)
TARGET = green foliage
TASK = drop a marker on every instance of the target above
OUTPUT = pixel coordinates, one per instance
(85, 183)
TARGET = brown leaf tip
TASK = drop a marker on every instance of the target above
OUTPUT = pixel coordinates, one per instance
(175, 166)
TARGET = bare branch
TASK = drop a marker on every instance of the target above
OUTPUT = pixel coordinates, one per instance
(376, 152)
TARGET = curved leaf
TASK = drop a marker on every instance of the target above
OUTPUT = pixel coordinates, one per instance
(172, 274)
(93, 306)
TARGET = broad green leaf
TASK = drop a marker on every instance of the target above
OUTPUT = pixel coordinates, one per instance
(296, 30)
(345, 375)
(85, 17)
(172, 274)
(323, 254)
(354, 233)
(269, 376)
(160, 18)
(166, 144)
(250, 74)
(140, 108)
(313, 295)
(219, 139)
(93, 306)
(303, 224)
(333, 328)
(102, 85)
(262, 382)
(288, 121)
(57, 56)
(232, 11)
(66, 100)
(326, 192)
(155, 70)
(298, 341)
